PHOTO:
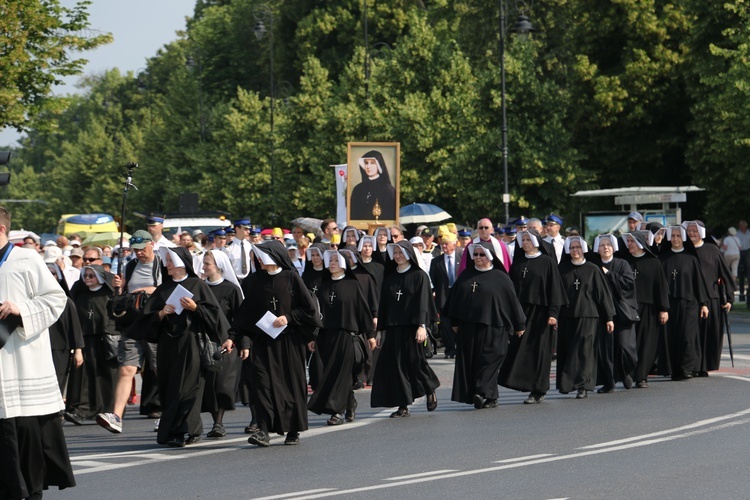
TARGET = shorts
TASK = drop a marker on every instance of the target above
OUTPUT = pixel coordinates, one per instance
(130, 352)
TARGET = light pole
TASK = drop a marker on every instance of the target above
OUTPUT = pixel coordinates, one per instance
(190, 63)
(522, 27)
(264, 15)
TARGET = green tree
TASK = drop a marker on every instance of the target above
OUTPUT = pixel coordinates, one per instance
(38, 40)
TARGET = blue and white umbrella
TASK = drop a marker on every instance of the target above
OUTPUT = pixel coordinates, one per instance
(422, 213)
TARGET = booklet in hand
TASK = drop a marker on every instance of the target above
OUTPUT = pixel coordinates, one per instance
(7, 327)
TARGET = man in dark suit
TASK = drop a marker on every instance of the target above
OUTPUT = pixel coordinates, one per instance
(443, 273)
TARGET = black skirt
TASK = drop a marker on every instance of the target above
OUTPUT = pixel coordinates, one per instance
(34, 456)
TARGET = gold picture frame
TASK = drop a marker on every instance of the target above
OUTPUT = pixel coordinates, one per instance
(373, 201)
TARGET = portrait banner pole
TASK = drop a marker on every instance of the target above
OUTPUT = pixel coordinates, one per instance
(341, 172)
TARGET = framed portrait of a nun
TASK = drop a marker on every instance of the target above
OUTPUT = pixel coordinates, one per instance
(373, 183)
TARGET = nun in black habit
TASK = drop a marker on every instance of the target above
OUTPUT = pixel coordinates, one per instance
(653, 301)
(222, 386)
(688, 302)
(346, 319)
(91, 387)
(180, 376)
(375, 187)
(617, 351)
(485, 312)
(539, 289)
(589, 303)
(406, 307)
(720, 288)
(313, 277)
(278, 364)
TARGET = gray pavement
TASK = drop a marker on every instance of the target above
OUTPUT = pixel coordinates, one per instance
(672, 440)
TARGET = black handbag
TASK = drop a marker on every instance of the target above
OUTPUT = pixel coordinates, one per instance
(126, 308)
(111, 345)
(208, 353)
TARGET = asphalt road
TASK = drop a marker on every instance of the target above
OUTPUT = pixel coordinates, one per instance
(673, 440)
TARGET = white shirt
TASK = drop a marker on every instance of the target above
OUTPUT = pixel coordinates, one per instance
(558, 242)
(235, 255)
(744, 239)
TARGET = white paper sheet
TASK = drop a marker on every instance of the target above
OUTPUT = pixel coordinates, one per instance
(266, 324)
(174, 298)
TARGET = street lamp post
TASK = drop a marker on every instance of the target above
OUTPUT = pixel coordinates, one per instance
(522, 27)
(190, 63)
(264, 15)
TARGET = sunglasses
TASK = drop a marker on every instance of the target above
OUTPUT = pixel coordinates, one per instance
(90, 259)
(479, 255)
(89, 276)
(137, 239)
(484, 227)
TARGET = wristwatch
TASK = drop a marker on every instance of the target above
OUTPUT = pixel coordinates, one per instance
(423, 326)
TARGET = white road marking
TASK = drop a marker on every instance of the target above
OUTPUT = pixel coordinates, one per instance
(421, 474)
(737, 377)
(694, 425)
(529, 462)
(522, 459)
(287, 495)
(152, 455)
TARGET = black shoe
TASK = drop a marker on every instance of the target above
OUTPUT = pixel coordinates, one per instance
(351, 413)
(292, 439)
(489, 403)
(582, 394)
(260, 438)
(605, 390)
(217, 431)
(358, 385)
(628, 382)
(477, 400)
(193, 438)
(252, 427)
(154, 414)
(73, 417)
(702, 374)
(402, 411)
(431, 402)
(176, 442)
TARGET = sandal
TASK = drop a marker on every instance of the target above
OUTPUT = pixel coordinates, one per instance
(402, 411)
(252, 428)
(335, 420)
(350, 413)
(431, 402)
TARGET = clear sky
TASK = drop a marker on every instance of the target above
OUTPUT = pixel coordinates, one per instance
(139, 28)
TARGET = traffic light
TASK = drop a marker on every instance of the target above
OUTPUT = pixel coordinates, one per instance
(4, 176)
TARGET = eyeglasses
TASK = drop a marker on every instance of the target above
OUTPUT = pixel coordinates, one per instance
(479, 255)
(90, 259)
(89, 276)
(137, 239)
(484, 227)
